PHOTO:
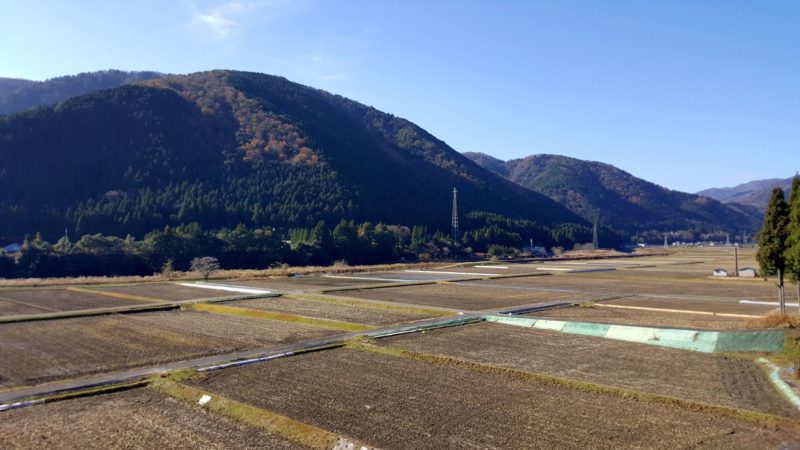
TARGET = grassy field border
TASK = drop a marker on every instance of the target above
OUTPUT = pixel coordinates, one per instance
(349, 301)
(280, 317)
(116, 295)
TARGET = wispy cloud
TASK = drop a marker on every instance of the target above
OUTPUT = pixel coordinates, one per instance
(222, 21)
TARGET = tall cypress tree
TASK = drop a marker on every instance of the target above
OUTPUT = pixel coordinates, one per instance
(792, 252)
(772, 240)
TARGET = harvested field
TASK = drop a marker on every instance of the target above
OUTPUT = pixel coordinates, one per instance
(628, 282)
(639, 317)
(34, 352)
(133, 419)
(165, 291)
(723, 306)
(398, 403)
(325, 310)
(462, 295)
(314, 283)
(34, 301)
(491, 269)
(711, 379)
(12, 309)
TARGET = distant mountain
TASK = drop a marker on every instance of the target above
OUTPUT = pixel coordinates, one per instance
(621, 201)
(17, 95)
(9, 85)
(753, 193)
(223, 147)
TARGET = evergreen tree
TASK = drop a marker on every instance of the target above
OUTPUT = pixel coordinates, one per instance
(772, 240)
(792, 252)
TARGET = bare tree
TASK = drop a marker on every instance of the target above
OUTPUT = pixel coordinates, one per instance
(206, 265)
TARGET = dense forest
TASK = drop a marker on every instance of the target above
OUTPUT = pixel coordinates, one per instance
(618, 200)
(225, 148)
(173, 248)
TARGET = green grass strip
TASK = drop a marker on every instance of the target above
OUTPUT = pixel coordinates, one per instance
(299, 432)
(281, 317)
(365, 304)
(754, 417)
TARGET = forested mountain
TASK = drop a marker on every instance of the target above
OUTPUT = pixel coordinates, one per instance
(9, 85)
(619, 200)
(753, 193)
(17, 95)
(222, 148)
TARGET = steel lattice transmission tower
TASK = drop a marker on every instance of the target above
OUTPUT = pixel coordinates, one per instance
(454, 218)
(666, 244)
(595, 241)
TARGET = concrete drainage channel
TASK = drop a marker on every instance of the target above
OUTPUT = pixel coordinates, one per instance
(685, 339)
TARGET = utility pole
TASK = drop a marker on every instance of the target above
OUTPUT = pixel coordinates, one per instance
(454, 218)
(736, 260)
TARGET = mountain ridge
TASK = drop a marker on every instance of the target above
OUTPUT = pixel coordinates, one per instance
(18, 94)
(754, 193)
(226, 147)
(597, 190)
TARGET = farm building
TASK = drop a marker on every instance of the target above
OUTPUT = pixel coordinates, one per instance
(748, 272)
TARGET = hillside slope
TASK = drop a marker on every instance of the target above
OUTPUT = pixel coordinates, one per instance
(753, 193)
(621, 201)
(18, 95)
(221, 148)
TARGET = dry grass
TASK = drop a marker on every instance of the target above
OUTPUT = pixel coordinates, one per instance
(281, 317)
(220, 275)
(775, 319)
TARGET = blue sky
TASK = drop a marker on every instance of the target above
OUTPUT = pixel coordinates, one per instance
(687, 94)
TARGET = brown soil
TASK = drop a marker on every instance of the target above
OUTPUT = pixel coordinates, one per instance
(696, 376)
(32, 301)
(628, 282)
(12, 309)
(397, 403)
(303, 283)
(132, 419)
(34, 352)
(462, 295)
(638, 317)
(167, 291)
(725, 306)
(347, 313)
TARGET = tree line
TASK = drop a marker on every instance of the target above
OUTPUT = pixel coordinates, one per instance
(779, 239)
(241, 247)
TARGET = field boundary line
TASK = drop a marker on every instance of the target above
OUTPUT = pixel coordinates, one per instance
(681, 311)
(286, 427)
(85, 392)
(29, 305)
(280, 317)
(117, 295)
(745, 415)
(90, 312)
(350, 301)
(377, 286)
